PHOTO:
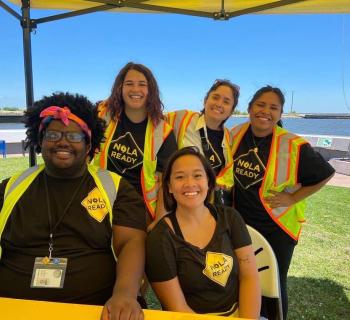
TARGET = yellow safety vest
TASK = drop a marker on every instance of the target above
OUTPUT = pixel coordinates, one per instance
(154, 139)
(187, 123)
(107, 182)
(281, 174)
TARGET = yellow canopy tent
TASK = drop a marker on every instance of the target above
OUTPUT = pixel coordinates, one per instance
(214, 9)
(199, 7)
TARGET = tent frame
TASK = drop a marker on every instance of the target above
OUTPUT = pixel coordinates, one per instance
(28, 25)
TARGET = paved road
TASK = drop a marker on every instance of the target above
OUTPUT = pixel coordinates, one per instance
(339, 180)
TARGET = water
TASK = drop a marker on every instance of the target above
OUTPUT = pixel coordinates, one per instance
(335, 127)
(11, 126)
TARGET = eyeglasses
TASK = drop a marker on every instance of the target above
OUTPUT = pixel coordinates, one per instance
(54, 136)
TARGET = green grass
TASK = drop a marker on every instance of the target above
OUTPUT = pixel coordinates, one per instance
(319, 277)
(9, 166)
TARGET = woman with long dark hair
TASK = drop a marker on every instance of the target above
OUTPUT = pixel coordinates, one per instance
(137, 140)
(206, 130)
(274, 171)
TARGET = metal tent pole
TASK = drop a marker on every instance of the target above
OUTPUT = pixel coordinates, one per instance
(27, 50)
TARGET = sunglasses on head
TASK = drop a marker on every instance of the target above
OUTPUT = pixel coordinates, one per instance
(219, 82)
(54, 136)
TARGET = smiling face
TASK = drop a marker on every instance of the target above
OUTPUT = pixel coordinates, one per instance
(218, 106)
(135, 91)
(63, 158)
(188, 182)
(264, 114)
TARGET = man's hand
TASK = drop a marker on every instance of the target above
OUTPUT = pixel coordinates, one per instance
(280, 199)
(122, 307)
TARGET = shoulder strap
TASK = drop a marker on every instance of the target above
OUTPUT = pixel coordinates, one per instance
(19, 178)
(177, 230)
(108, 184)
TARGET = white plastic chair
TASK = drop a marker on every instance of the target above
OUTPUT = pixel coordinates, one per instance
(268, 269)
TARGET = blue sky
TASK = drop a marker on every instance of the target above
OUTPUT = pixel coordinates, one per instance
(308, 55)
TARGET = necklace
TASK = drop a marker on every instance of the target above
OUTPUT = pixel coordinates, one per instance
(257, 145)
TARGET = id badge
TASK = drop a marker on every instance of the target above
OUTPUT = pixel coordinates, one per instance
(49, 273)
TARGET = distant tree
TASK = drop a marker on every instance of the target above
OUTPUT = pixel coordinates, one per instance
(237, 112)
(10, 109)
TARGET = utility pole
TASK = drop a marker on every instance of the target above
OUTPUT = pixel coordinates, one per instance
(291, 105)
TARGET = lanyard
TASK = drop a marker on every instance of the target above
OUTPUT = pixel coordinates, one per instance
(206, 150)
(204, 141)
(53, 228)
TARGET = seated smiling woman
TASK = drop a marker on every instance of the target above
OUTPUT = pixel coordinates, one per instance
(199, 256)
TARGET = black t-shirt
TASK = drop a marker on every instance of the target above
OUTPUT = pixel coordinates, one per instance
(249, 170)
(80, 237)
(208, 276)
(125, 153)
(215, 154)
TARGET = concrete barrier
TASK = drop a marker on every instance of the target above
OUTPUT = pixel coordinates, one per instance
(13, 135)
(341, 165)
(335, 149)
(329, 146)
(14, 140)
(16, 148)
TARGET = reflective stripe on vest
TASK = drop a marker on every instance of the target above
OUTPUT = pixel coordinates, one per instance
(107, 182)
(13, 183)
(179, 121)
(237, 134)
(154, 139)
(225, 177)
(185, 122)
(280, 175)
(100, 159)
(15, 187)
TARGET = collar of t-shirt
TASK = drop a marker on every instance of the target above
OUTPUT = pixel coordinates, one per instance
(175, 223)
(129, 123)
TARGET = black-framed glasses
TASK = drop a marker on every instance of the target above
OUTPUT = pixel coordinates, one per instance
(54, 136)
